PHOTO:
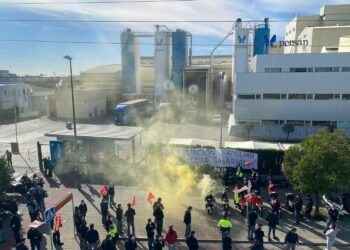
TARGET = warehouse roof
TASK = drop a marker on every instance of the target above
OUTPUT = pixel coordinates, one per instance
(111, 68)
(91, 132)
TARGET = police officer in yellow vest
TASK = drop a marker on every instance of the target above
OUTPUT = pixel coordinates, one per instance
(225, 225)
(113, 232)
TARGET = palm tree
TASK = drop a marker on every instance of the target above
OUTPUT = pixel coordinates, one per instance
(288, 128)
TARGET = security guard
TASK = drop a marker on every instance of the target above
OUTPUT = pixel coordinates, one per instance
(225, 226)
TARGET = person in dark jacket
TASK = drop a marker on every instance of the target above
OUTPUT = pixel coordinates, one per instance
(16, 226)
(111, 193)
(308, 207)
(150, 227)
(192, 242)
(35, 237)
(158, 242)
(227, 242)
(83, 208)
(119, 217)
(259, 235)
(187, 221)
(21, 245)
(107, 244)
(92, 237)
(130, 214)
(332, 217)
(158, 217)
(272, 220)
(252, 217)
(108, 222)
(130, 243)
(104, 210)
(77, 218)
(257, 246)
(298, 205)
(291, 239)
(83, 229)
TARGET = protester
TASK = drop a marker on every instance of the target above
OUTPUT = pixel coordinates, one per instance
(108, 222)
(107, 243)
(56, 236)
(187, 221)
(77, 219)
(130, 214)
(16, 226)
(272, 219)
(111, 193)
(271, 187)
(9, 158)
(158, 203)
(257, 245)
(83, 208)
(150, 227)
(259, 235)
(92, 237)
(252, 217)
(308, 207)
(35, 237)
(21, 245)
(170, 238)
(33, 209)
(83, 229)
(332, 217)
(119, 217)
(331, 235)
(291, 239)
(192, 242)
(298, 205)
(104, 210)
(225, 226)
(130, 243)
(159, 242)
(158, 218)
(104, 192)
(113, 232)
(226, 241)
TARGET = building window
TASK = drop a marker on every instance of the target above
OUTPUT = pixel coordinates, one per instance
(345, 69)
(308, 123)
(336, 69)
(309, 96)
(321, 123)
(345, 96)
(297, 96)
(272, 96)
(310, 69)
(270, 122)
(246, 97)
(296, 122)
(258, 96)
(273, 70)
(324, 69)
(336, 96)
(298, 69)
(283, 96)
(323, 96)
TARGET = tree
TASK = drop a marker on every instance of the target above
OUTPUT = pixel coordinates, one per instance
(5, 176)
(248, 127)
(318, 164)
(288, 128)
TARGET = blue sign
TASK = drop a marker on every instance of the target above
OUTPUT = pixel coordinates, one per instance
(56, 149)
(49, 215)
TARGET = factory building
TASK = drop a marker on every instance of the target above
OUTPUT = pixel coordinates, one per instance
(306, 85)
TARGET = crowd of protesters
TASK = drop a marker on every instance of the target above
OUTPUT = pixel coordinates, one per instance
(157, 237)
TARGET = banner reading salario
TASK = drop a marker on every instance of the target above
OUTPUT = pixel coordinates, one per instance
(218, 157)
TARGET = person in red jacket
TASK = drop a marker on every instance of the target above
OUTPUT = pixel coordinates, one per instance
(271, 187)
(171, 237)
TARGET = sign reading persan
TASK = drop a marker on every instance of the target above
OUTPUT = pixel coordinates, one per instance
(49, 215)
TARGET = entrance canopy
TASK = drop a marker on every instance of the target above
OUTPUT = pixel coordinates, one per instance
(95, 132)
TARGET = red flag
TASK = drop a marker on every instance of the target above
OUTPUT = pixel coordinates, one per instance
(150, 198)
(133, 204)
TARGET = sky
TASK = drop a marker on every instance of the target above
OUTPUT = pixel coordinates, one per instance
(47, 58)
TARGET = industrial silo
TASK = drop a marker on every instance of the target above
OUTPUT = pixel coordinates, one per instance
(161, 61)
(179, 57)
(130, 52)
(262, 38)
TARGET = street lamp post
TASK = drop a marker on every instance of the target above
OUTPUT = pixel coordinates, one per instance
(71, 85)
(222, 79)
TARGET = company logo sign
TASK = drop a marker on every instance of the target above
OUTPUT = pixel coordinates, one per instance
(159, 42)
(242, 39)
(287, 43)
